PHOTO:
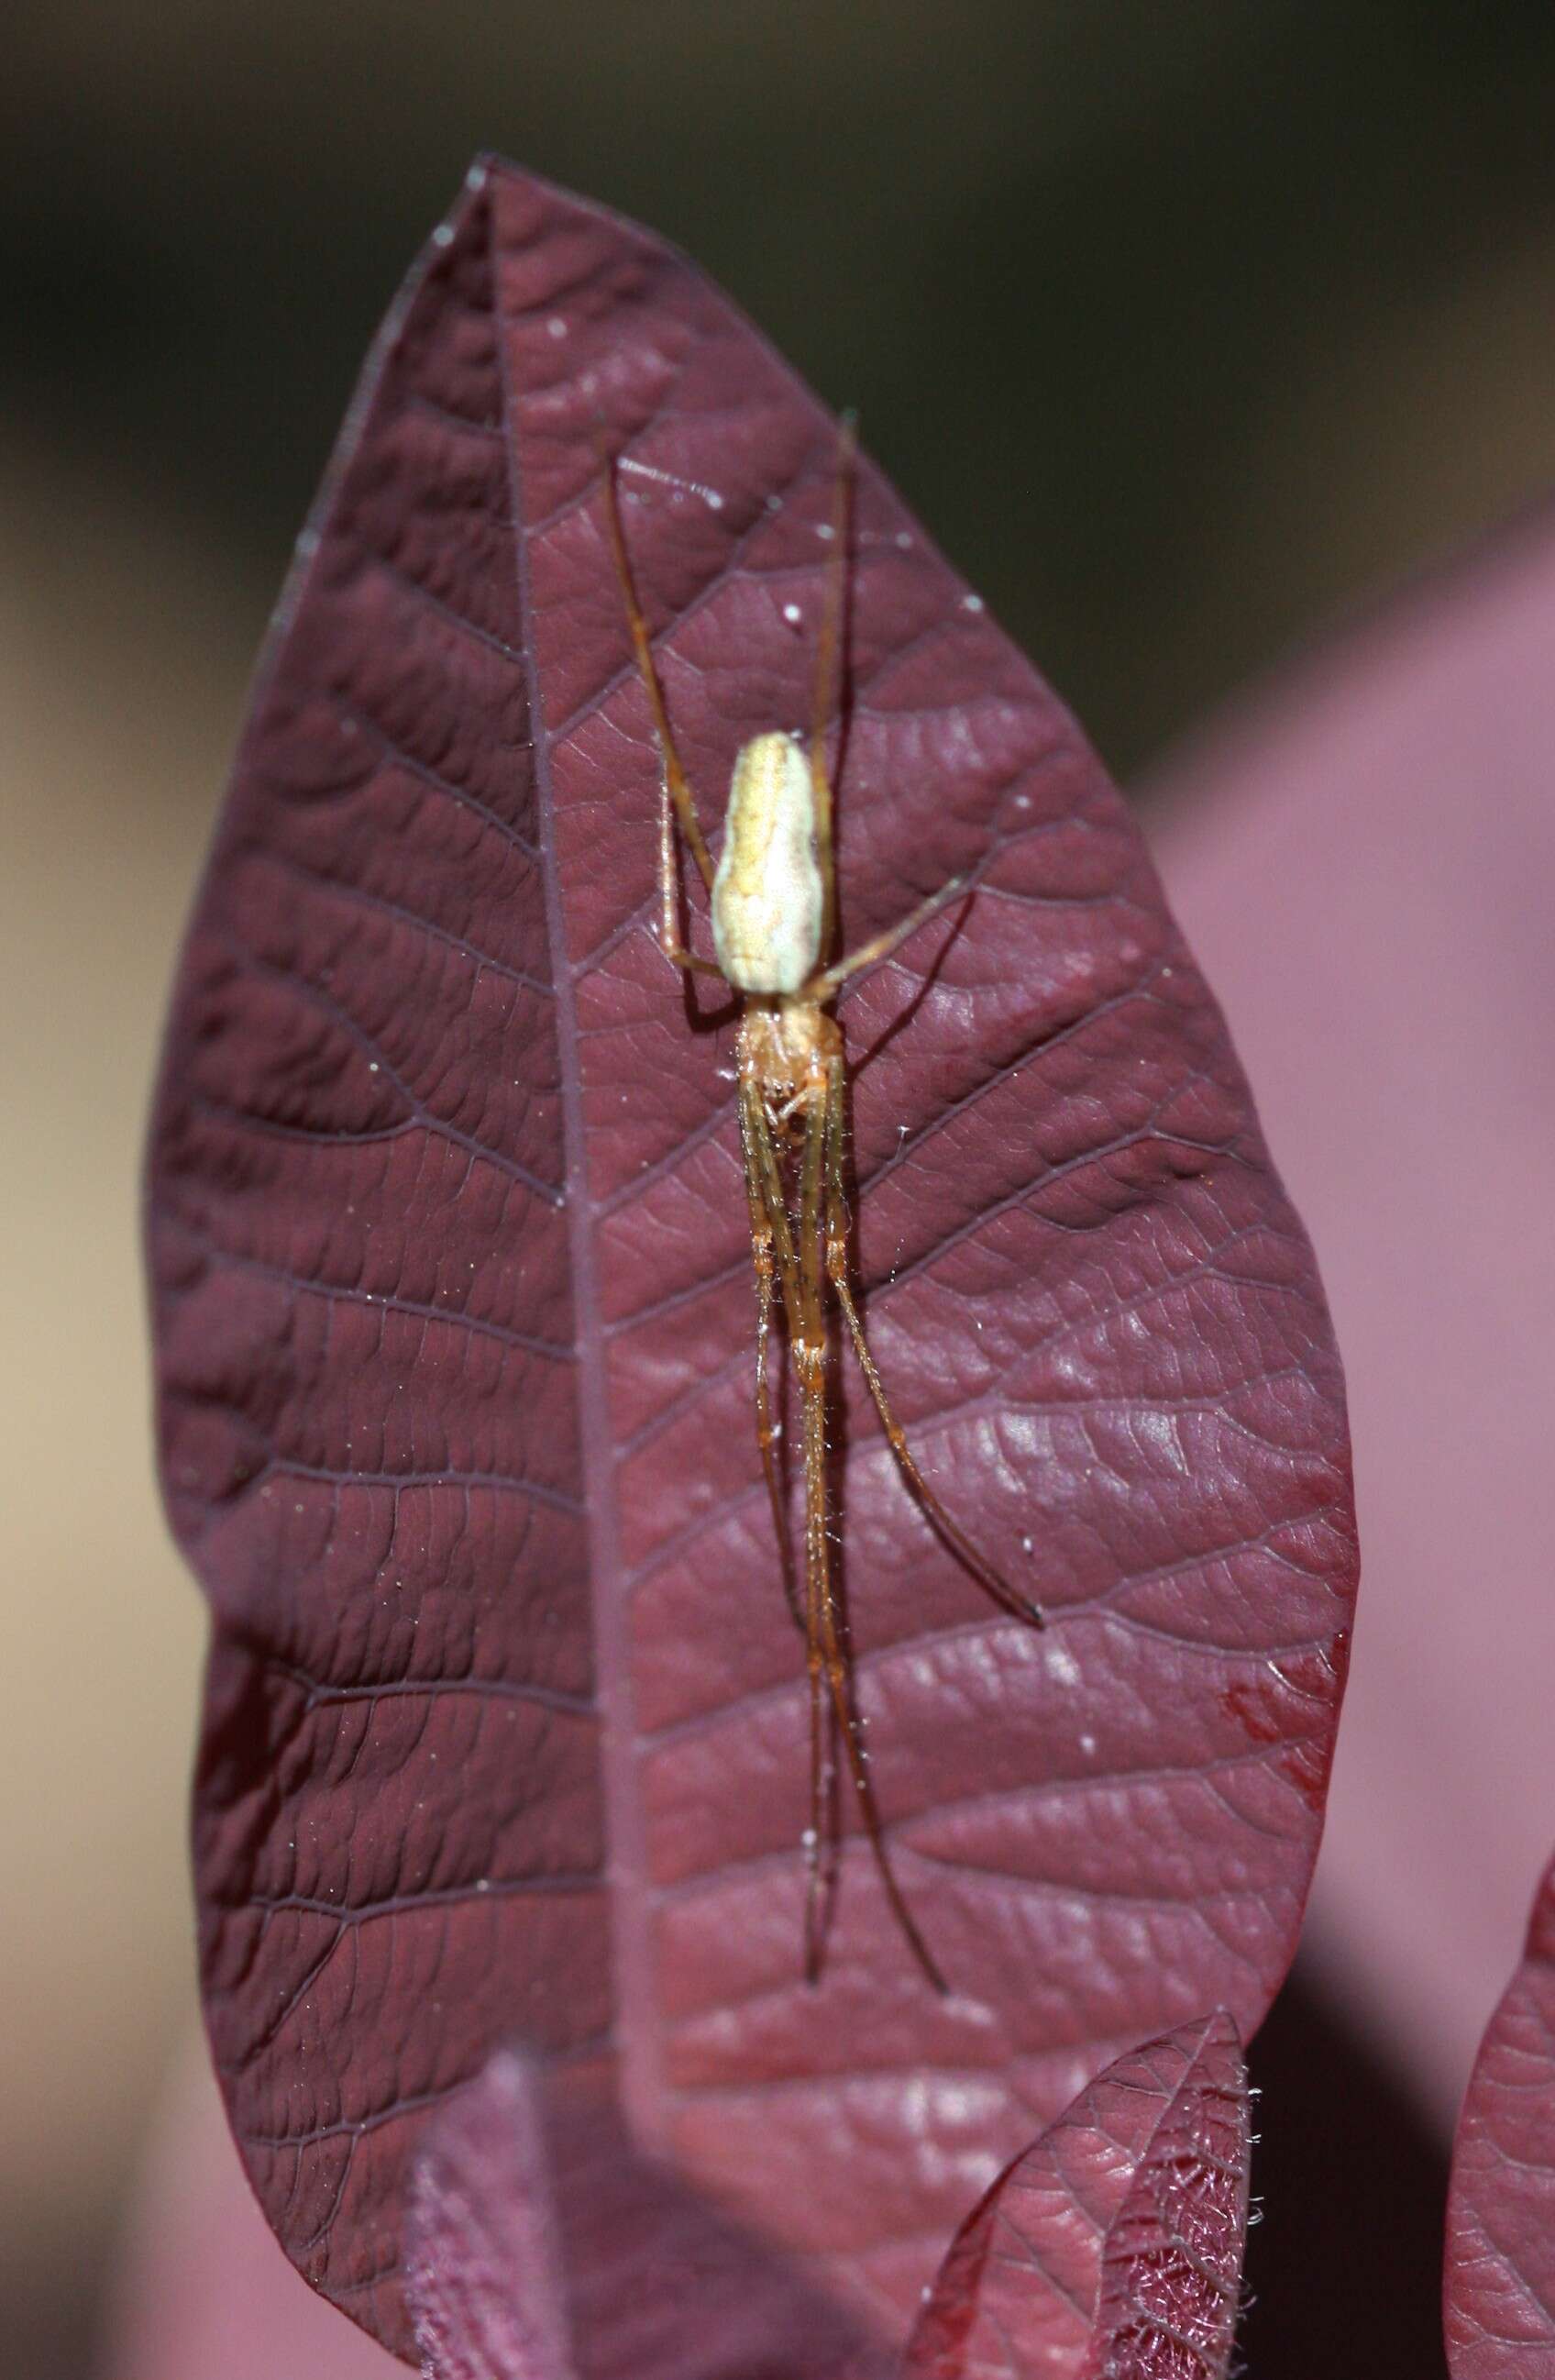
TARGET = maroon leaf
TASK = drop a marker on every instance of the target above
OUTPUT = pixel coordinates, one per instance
(1172, 2268)
(483, 2248)
(505, 1728)
(1498, 2294)
(1112, 2248)
(528, 2212)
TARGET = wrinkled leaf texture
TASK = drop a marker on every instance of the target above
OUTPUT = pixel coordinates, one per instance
(1498, 2284)
(505, 1719)
(1111, 2249)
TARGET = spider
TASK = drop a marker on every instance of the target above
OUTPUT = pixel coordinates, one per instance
(773, 897)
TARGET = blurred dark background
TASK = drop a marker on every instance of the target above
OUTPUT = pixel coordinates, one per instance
(1185, 327)
(1180, 324)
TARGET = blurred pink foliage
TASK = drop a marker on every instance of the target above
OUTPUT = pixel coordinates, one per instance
(484, 2254)
(1363, 861)
(205, 2292)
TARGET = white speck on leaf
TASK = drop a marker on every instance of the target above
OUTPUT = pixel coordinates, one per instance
(630, 463)
(1063, 1666)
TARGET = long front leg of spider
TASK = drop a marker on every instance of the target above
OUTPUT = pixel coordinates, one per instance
(676, 806)
(820, 1604)
(1006, 1596)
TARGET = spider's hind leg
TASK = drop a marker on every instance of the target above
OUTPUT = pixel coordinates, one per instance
(764, 1258)
(822, 1608)
(991, 1580)
(772, 1243)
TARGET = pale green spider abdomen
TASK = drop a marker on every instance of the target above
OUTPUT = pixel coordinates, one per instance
(768, 895)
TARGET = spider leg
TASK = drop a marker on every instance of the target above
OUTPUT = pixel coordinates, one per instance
(765, 1183)
(988, 1578)
(823, 986)
(764, 1261)
(828, 653)
(821, 1606)
(676, 804)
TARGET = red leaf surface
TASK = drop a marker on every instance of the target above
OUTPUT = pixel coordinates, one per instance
(1498, 2292)
(484, 2251)
(525, 2251)
(1112, 2249)
(505, 1726)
